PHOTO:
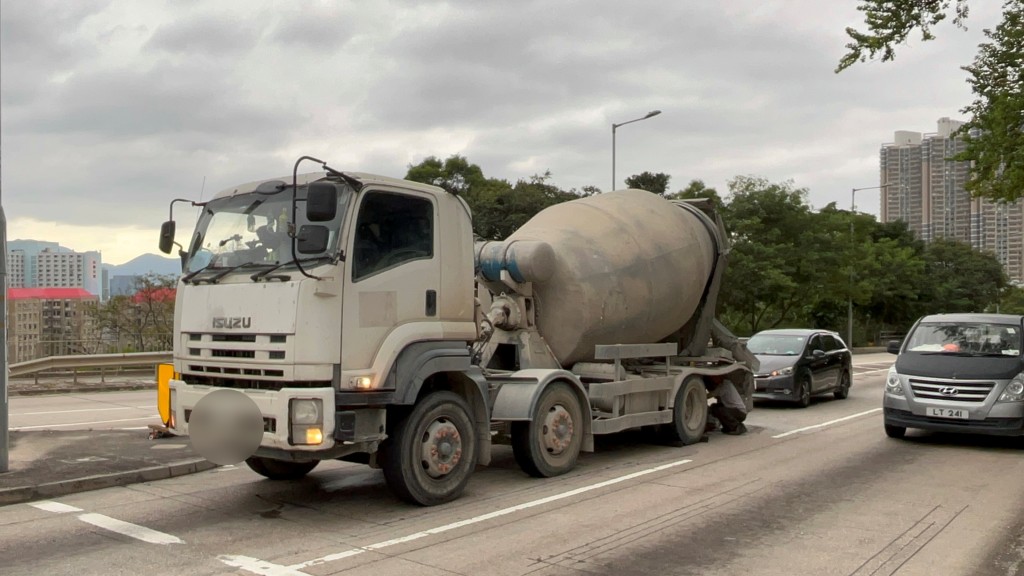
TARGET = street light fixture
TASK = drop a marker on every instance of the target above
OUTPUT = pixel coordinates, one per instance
(650, 114)
(849, 302)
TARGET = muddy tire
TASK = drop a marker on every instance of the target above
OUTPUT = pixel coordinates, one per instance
(280, 469)
(550, 444)
(689, 413)
(432, 452)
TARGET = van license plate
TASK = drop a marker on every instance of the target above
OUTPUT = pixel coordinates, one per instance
(958, 413)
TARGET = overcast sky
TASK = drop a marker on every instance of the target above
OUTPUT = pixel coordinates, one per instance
(110, 109)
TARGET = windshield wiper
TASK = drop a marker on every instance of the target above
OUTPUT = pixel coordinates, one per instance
(265, 274)
(187, 277)
(226, 271)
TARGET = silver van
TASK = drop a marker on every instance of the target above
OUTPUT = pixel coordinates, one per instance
(957, 373)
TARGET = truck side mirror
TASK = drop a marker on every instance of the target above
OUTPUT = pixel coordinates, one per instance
(893, 347)
(321, 201)
(312, 239)
(167, 236)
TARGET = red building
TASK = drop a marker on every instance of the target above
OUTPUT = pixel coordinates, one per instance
(48, 322)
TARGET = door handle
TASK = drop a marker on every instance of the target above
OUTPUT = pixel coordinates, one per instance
(431, 308)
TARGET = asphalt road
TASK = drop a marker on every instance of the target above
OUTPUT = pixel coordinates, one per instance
(813, 491)
(83, 411)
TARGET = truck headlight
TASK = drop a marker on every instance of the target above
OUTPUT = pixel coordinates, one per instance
(783, 372)
(1014, 391)
(892, 383)
(306, 417)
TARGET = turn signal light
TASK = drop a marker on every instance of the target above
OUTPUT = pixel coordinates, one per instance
(314, 436)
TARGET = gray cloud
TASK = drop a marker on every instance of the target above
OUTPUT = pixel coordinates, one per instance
(111, 110)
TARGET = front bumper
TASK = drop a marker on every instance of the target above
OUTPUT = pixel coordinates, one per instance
(990, 426)
(273, 405)
(775, 388)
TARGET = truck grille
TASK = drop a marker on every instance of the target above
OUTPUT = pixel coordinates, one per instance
(951, 391)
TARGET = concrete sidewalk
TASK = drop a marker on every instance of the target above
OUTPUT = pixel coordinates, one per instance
(48, 463)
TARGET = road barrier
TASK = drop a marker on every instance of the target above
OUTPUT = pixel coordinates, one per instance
(76, 363)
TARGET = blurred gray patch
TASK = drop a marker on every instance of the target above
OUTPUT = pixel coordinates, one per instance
(226, 427)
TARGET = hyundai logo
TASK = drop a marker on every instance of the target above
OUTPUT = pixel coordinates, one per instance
(949, 391)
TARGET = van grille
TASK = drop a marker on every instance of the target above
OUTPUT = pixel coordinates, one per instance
(951, 390)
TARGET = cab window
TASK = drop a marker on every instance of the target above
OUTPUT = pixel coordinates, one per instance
(391, 229)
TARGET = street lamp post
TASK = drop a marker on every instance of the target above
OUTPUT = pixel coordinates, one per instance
(849, 302)
(650, 114)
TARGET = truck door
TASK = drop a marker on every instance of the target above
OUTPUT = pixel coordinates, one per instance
(392, 277)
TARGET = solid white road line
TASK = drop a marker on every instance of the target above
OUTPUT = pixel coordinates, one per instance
(42, 426)
(56, 507)
(257, 566)
(130, 530)
(829, 423)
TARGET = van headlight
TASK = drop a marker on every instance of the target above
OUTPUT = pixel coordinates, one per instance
(1014, 391)
(892, 383)
(306, 417)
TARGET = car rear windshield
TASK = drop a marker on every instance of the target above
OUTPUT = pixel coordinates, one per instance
(965, 337)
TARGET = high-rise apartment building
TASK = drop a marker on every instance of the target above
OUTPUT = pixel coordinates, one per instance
(35, 264)
(924, 187)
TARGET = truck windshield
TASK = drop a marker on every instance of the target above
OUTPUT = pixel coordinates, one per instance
(974, 338)
(250, 231)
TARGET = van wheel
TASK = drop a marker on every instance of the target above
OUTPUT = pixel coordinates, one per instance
(843, 391)
(689, 413)
(549, 444)
(895, 431)
(280, 469)
(432, 453)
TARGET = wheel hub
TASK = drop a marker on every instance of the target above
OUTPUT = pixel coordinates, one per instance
(441, 449)
(557, 431)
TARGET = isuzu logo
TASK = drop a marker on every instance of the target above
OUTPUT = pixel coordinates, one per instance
(232, 322)
(949, 391)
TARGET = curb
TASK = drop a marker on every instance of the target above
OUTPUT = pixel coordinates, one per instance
(21, 494)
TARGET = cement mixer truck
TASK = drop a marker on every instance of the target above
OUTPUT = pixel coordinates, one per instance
(357, 318)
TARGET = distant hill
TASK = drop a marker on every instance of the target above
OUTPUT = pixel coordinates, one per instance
(146, 264)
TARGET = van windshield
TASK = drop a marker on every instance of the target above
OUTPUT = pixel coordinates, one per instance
(974, 338)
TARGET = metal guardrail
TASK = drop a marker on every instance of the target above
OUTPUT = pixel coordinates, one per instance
(76, 362)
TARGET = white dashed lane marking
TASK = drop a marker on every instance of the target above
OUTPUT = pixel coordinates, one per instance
(121, 527)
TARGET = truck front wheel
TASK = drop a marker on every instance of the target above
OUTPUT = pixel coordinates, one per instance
(432, 453)
(550, 443)
(689, 412)
(280, 469)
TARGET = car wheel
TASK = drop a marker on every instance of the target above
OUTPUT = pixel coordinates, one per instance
(895, 431)
(843, 391)
(803, 390)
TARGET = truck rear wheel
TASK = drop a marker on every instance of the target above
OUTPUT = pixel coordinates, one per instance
(689, 413)
(549, 444)
(280, 469)
(432, 453)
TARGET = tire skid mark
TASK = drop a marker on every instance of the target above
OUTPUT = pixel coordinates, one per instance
(583, 553)
(907, 544)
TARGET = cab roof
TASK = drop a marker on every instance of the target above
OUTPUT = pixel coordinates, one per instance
(364, 178)
(983, 318)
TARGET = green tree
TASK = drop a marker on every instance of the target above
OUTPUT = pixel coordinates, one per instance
(142, 321)
(656, 182)
(960, 279)
(995, 131)
(771, 266)
(697, 189)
